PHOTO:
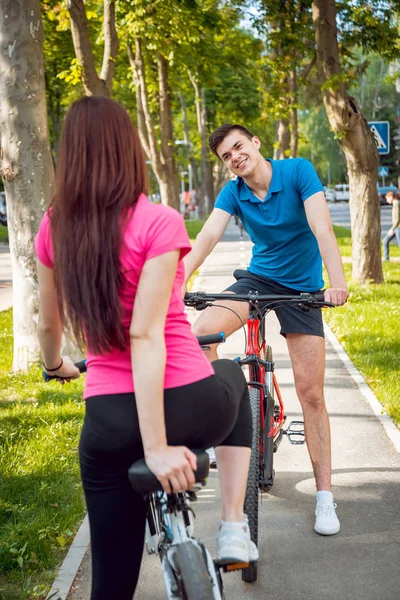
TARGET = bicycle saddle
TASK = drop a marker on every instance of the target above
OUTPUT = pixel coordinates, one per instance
(144, 482)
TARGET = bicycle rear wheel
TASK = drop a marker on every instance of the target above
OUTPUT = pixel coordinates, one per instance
(192, 568)
(249, 575)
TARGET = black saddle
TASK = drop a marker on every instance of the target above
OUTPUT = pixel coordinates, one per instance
(144, 482)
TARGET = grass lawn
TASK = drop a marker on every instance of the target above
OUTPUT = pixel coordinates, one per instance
(343, 236)
(41, 503)
(367, 327)
(193, 228)
(3, 233)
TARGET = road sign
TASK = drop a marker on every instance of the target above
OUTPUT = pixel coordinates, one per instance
(383, 171)
(381, 131)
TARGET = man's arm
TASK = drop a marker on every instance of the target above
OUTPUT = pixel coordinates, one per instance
(208, 237)
(319, 219)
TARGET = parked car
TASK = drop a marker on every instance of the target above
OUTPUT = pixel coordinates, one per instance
(330, 194)
(3, 209)
(338, 193)
(383, 190)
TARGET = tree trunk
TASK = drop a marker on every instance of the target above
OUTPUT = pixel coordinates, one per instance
(93, 84)
(163, 161)
(170, 172)
(206, 165)
(294, 127)
(54, 110)
(189, 157)
(358, 145)
(282, 144)
(210, 186)
(25, 161)
(202, 191)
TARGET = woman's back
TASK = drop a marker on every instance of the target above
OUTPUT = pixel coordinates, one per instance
(151, 230)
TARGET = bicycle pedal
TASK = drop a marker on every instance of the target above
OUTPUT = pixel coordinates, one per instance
(295, 433)
(228, 566)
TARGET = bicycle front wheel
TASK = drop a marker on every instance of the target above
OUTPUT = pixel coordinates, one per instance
(249, 575)
(192, 569)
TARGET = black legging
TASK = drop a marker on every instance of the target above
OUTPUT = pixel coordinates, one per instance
(211, 412)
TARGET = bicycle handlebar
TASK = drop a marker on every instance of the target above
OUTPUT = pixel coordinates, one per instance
(81, 366)
(213, 338)
(200, 300)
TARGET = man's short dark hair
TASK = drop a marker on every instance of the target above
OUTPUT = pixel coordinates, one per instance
(222, 132)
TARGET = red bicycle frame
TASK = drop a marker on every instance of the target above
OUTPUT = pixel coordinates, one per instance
(257, 376)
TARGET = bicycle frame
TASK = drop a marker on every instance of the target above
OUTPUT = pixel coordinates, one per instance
(262, 376)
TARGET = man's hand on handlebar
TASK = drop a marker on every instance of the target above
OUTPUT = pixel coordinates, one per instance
(338, 296)
(173, 466)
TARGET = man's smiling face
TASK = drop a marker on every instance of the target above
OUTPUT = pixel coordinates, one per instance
(239, 153)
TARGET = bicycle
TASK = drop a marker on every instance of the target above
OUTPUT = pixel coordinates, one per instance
(189, 572)
(266, 401)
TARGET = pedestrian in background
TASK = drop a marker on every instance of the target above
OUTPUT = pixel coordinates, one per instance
(394, 231)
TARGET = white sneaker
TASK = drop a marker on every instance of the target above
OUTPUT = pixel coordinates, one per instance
(212, 457)
(234, 543)
(326, 522)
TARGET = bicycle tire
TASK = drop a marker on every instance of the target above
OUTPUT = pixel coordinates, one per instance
(195, 579)
(267, 474)
(249, 575)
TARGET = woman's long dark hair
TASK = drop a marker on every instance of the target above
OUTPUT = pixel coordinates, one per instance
(100, 174)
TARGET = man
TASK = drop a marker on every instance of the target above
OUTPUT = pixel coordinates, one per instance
(394, 231)
(283, 209)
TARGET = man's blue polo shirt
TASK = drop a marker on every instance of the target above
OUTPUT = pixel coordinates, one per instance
(285, 249)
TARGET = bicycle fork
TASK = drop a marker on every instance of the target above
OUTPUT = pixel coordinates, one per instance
(166, 529)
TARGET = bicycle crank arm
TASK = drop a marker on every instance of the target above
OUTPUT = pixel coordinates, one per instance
(295, 433)
(278, 439)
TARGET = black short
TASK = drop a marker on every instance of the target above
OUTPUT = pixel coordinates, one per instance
(292, 319)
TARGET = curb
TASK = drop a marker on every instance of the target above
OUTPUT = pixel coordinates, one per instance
(388, 425)
(68, 570)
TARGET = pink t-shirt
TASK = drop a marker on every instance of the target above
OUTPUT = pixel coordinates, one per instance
(153, 230)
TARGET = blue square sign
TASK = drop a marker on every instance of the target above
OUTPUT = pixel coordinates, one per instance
(381, 131)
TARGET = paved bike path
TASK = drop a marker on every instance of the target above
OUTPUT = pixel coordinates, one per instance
(362, 561)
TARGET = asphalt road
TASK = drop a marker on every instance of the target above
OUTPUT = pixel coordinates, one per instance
(340, 214)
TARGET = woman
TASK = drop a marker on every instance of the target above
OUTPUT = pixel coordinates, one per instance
(110, 269)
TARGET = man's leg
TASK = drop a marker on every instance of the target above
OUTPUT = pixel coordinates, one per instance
(307, 353)
(215, 319)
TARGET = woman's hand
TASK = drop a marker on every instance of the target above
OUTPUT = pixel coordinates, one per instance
(173, 466)
(66, 372)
